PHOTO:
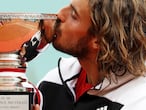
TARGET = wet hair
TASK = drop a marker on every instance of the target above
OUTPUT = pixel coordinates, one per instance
(120, 26)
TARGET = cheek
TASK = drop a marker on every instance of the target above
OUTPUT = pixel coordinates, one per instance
(73, 31)
(69, 35)
(66, 31)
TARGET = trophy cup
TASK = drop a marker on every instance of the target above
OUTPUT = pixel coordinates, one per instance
(16, 92)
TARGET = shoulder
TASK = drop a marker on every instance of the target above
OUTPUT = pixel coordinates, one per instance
(131, 94)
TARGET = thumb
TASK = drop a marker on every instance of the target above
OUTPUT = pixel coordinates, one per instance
(36, 107)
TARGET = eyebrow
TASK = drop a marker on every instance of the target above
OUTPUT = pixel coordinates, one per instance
(74, 9)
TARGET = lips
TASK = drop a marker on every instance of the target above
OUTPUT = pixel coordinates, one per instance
(55, 35)
(57, 31)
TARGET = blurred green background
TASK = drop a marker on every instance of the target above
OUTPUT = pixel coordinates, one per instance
(47, 60)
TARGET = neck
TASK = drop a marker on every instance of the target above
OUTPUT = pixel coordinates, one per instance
(91, 68)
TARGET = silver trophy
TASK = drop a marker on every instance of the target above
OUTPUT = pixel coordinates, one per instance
(18, 31)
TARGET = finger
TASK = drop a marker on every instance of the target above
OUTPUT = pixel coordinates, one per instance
(36, 107)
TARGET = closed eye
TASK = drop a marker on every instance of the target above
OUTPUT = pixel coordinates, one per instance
(74, 13)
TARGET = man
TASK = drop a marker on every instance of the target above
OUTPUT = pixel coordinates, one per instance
(107, 39)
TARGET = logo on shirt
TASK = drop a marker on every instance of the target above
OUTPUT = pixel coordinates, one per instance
(102, 108)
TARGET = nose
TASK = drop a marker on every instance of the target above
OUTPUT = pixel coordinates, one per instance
(62, 15)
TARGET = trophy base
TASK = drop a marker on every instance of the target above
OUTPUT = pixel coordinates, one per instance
(16, 100)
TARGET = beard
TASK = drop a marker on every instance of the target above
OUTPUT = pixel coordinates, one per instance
(79, 49)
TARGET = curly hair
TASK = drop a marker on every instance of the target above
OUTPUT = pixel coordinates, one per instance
(121, 27)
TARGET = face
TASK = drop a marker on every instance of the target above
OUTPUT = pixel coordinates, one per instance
(72, 29)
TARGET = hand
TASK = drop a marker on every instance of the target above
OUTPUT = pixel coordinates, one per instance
(36, 107)
(29, 49)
